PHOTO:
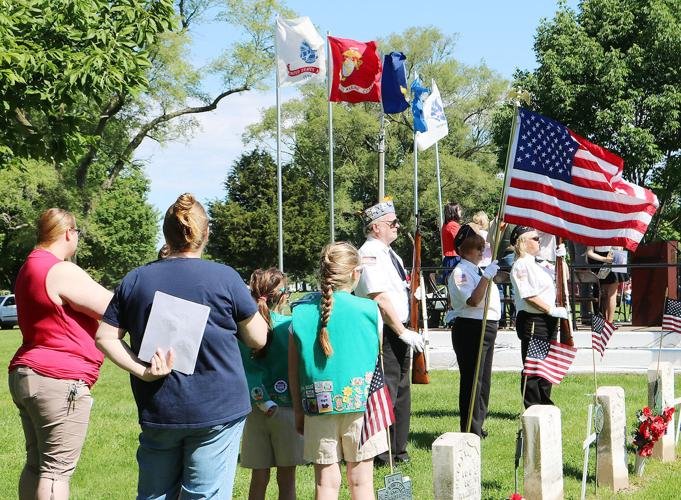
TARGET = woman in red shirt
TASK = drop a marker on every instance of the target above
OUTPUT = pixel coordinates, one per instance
(453, 215)
(50, 376)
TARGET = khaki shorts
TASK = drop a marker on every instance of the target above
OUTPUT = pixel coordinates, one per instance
(271, 441)
(55, 415)
(332, 438)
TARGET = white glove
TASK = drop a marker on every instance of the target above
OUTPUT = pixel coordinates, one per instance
(558, 312)
(560, 250)
(413, 340)
(269, 408)
(491, 270)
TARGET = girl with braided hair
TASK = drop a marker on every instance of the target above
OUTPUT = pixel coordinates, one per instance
(270, 438)
(333, 348)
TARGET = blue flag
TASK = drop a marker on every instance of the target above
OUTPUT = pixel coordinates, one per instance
(394, 83)
(419, 92)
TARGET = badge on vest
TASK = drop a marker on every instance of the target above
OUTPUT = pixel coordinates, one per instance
(324, 402)
(280, 386)
(257, 393)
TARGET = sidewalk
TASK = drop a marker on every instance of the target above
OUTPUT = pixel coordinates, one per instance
(631, 349)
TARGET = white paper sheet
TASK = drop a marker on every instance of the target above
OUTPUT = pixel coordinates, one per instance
(178, 324)
(619, 257)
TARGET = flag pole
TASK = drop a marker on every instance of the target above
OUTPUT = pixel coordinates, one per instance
(329, 80)
(381, 159)
(416, 177)
(280, 214)
(495, 244)
(437, 175)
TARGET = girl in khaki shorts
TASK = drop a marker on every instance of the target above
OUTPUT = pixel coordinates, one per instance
(333, 349)
(269, 438)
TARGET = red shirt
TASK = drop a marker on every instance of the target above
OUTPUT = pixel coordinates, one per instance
(58, 341)
(449, 231)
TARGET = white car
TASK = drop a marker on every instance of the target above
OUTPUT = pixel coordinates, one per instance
(8, 311)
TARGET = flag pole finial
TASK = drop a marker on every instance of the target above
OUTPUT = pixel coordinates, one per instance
(517, 96)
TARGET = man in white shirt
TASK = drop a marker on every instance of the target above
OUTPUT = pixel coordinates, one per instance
(384, 280)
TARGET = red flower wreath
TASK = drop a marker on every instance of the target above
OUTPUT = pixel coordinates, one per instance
(650, 428)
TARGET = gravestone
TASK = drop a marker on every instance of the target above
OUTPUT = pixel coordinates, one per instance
(456, 466)
(658, 400)
(397, 487)
(612, 469)
(542, 453)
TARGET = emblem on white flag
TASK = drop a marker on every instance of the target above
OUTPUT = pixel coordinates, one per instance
(436, 121)
(300, 51)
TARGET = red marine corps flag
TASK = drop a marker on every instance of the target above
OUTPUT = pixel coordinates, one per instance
(355, 71)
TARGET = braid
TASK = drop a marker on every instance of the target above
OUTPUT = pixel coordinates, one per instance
(326, 305)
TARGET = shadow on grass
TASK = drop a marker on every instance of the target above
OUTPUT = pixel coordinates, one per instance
(435, 413)
(423, 440)
(503, 415)
(576, 473)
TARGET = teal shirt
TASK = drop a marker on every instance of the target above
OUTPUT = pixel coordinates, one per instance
(268, 376)
(339, 383)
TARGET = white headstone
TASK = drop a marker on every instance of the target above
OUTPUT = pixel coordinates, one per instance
(665, 447)
(542, 453)
(612, 456)
(456, 466)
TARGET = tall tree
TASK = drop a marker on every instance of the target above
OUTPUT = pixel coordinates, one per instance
(611, 71)
(244, 225)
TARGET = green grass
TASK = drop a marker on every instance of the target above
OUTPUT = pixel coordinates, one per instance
(107, 468)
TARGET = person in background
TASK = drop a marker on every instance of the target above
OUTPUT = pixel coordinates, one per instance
(191, 425)
(535, 299)
(468, 286)
(452, 222)
(270, 438)
(608, 280)
(333, 351)
(480, 223)
(51, 374)
(384, 280)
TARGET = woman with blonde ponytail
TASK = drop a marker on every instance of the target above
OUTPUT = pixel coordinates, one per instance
(333, 350)
(191, 424)
(270, 438)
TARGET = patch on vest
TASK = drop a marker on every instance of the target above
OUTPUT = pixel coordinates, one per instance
(280, 386)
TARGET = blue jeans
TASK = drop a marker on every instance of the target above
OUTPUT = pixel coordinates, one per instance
(188, 463)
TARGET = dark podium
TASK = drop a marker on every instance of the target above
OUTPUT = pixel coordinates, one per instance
(648, 284)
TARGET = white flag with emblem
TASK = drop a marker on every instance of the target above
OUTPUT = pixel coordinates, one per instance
(434, 116)
(300, 51)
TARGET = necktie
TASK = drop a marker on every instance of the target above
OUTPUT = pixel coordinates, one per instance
(398, 266)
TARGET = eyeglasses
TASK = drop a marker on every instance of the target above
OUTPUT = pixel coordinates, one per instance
(284, 290)
(392, 223)
(536, 238)
(76, 230)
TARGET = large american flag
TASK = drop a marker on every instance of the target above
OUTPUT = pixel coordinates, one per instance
(671, 319)
(564, 185)
(548, 360)
(601, 331)
(378, 414)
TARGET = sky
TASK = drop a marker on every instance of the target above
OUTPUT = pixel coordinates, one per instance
(497, 33)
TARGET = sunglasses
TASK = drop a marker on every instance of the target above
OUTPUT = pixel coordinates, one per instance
(536, 238)
(285, 290)
(392, 223)
(76, 230)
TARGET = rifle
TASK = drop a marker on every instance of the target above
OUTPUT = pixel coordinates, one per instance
(419, 370)
(562, 299)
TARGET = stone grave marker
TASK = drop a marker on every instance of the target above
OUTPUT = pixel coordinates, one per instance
(612, 456)
(663, 381)
(457, 466)
(542, 453)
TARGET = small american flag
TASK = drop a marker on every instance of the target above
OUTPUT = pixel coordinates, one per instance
(548, 360)
(671, 320)
(601, 331)
(379, 413)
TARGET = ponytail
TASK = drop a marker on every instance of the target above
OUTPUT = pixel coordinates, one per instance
(265, 285)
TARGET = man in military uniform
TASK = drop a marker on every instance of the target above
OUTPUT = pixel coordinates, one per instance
(384, 280)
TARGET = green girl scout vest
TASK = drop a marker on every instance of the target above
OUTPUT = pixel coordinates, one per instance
(339, 383)
(268, 376)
